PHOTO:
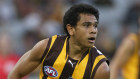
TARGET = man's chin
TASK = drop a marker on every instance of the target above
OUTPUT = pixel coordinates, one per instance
(90, 46)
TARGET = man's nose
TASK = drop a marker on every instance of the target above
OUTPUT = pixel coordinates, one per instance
(93, 30)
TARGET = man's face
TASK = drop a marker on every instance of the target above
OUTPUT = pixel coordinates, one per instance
(86, 30)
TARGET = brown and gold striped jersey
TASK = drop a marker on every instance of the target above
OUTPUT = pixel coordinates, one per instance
(56, 64)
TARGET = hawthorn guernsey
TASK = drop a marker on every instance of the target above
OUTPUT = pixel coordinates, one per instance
(70, 56)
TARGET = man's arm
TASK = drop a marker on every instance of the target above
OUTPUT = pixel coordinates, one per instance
(29, 61)
(103, 72)
(122, 55)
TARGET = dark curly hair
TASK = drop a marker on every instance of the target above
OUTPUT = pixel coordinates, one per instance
(72, 16)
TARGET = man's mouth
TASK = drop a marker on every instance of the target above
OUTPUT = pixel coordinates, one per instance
(92, 39)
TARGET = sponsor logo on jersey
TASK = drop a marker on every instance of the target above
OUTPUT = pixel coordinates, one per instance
(50, 71)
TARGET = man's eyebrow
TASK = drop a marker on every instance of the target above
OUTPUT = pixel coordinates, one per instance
(87, 23)
(90, 22)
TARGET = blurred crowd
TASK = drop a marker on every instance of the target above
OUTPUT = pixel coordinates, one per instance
(24, 22)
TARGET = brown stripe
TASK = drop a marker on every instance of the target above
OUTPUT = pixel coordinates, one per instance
(68, 69)
(96, 67)
(54, 52)
(92, 55)
(46, 50)
(44, 77)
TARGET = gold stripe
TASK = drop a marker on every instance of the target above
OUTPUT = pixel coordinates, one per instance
(52, 42)
(98, 58)
(80, 68)
(60, 61)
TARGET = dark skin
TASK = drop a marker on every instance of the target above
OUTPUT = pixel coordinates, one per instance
(78, 43)
(29, 61)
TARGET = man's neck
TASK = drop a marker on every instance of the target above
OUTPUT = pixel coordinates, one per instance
(75, 51)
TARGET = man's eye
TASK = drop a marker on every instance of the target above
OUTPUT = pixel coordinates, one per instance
(96, 26)
(86, 25)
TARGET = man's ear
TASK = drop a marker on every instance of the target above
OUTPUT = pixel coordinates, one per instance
(70, 29)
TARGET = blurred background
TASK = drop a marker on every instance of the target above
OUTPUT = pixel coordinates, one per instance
(25, 22)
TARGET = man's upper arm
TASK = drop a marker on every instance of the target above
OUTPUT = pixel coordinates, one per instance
(102, 72)
(29, 61)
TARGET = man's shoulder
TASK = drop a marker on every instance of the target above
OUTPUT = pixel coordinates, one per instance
(38, 50)
(43, 43)
(99, 55)
(103, 71)
(59, 39)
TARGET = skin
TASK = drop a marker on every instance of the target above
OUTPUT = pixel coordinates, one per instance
(29, 61)
(78, 44)
(86, 28)
(102, 72)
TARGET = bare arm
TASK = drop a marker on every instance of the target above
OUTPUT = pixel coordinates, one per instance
(122, 55)
(103, 72)
(29, 61)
